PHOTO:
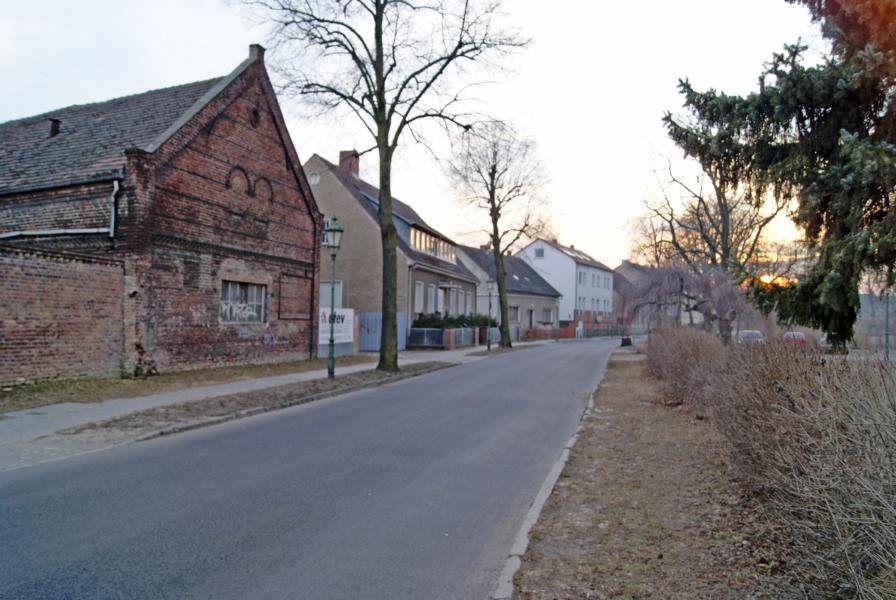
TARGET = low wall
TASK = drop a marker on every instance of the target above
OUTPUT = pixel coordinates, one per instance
(60, 315)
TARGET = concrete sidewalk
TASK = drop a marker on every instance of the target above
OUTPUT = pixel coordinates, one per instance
(26, 425)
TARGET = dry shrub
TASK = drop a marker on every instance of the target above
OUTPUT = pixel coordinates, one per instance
(814, 438)
(686, 360)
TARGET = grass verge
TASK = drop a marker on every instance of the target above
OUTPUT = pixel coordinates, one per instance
(209, 410)
(43, 393)
(645, 507)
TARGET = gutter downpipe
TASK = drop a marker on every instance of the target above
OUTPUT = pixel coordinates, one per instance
(113, 209)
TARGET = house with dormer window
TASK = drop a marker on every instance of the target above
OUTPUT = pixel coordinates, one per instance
(431, 279)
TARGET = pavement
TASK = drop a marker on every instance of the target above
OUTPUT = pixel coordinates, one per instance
(412, 490)
(27, 436)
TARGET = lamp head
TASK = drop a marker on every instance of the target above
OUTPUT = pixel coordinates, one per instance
(332, 235)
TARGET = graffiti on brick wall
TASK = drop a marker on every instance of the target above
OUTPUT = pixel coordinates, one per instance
(239, 312)
(200, 317)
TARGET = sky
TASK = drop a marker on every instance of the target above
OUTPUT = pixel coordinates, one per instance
(590, 90)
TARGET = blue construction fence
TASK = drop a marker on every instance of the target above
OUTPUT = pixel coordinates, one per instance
(370, 329)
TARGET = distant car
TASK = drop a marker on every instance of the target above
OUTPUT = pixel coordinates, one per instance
(750, 336)
(795, 338)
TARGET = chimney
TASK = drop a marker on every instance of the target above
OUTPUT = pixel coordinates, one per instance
(54, 127)
(572, 246)
(349, 162)
(256, 52)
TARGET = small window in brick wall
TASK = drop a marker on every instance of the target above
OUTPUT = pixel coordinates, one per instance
(243, 302)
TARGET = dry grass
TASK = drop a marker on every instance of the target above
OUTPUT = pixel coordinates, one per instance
(645, 508)
(43, 393)
(162, 417)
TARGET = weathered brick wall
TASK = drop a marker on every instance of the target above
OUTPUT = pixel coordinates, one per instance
(60, 315)
(224, 198)
(74, 207)
(228, 205)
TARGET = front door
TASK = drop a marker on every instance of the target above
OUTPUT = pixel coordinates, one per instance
(531, 318)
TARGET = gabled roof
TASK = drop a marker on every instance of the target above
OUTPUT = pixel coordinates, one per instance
(520, 277)
(92, 138)
(367, 196)
(577, 255)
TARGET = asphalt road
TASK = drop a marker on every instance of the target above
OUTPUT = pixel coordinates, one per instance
(414, 490)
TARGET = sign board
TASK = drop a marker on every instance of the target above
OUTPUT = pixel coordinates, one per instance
(343, 326)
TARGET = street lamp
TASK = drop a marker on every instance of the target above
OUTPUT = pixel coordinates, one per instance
(332, 239)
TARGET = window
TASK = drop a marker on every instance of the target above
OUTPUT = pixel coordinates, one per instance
(513, 314)
(593, 280)
(430, 244)
(470, 310)
(431, 298)
(418, 297)
(546, 314)
(539, 253)
(243, 302)
(452, 301)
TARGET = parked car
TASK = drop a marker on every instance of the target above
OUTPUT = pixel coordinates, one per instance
(750, 336)
(795, 338)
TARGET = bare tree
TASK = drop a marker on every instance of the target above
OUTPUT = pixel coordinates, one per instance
(711, 223)
(395, 65)
(497, 171)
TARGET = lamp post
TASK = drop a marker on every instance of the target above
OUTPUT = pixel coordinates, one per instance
(332, 238)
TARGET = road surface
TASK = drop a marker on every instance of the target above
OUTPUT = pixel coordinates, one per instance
(414, 490)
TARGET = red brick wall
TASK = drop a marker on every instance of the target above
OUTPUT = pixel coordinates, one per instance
(60, 315)
(227, 205)
(224, 198)
(62, 208)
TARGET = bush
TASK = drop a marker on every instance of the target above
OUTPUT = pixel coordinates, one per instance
(438, 321)
(686, 360)
(814, 438)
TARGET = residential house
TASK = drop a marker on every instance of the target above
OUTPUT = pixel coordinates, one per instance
(531, 301)
(586, 284)
(164, 230)
(430, 277)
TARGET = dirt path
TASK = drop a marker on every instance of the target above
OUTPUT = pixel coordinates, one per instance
(645, 508)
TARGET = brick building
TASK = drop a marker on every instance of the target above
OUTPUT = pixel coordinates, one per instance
(187, 217)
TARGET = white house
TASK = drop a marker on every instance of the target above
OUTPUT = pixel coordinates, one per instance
(586, 284)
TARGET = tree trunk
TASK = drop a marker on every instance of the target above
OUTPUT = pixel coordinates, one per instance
(501, 279)
(725, 329)
(389, 335)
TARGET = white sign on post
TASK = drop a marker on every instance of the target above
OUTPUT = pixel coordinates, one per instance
(343, 326)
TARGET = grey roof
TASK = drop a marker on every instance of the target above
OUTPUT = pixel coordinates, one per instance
(368, 196)
(520, 277)
(92, 138)
(577, 255)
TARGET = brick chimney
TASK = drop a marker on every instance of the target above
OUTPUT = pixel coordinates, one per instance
(349, 162)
